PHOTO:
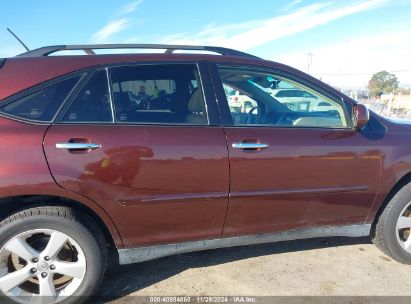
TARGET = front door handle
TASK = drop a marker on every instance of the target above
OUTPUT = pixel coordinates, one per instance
(77, 146)
(246, 145)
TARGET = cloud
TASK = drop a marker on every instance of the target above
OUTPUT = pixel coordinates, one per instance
(111, 28)
(291, 5)
(117, 25)
(130, 7)
(351, 63)
(253, 33)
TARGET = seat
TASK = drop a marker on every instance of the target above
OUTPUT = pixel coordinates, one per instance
(196, 109)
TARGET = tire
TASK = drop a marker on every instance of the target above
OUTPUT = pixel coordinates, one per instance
(82, 254)
(391, 233)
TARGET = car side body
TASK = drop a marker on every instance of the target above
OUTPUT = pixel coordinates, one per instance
(133, 226)
(205, 177)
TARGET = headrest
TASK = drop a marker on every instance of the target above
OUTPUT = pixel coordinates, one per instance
(196, 102)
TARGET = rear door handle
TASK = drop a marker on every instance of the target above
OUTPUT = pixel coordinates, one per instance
(78, 146)
(245, 145)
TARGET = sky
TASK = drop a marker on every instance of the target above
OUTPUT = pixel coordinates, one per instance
(341, 42)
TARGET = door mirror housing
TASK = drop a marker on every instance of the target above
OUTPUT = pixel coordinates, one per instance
(360, 116)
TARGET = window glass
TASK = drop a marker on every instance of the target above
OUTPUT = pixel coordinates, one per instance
(92, 103)
(163, 94)
(238, 100)
(44, 104)
(260, 98)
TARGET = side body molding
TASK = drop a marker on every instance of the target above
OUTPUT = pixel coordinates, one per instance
(141, 254)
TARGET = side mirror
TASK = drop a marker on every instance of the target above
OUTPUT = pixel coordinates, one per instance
(360, 116)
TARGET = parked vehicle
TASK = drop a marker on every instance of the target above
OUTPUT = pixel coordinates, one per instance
(142, 155)
(301, 101)
(239, 102)
(295, 99)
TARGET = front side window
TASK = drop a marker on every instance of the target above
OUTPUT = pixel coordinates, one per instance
(92, 104)
(42, 105)
(158, 94)
(261, 98)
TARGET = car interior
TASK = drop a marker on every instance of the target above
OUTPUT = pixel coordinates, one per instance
(92, 104)
(168, 94)
(270, 111)
(148, 94)
(42, 104)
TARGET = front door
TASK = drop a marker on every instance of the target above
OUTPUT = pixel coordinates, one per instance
(146, 150)
(295, 161)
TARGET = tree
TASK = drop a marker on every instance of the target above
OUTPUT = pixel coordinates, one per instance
(382, 82)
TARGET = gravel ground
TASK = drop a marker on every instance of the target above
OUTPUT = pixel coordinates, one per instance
(317, 267)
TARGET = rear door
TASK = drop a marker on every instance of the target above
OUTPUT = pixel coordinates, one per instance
(140, 141)
(295, 161)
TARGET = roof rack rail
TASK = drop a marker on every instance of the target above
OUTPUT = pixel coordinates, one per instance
(89, 49)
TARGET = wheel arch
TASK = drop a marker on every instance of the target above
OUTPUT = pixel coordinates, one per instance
(12, 204)
(377, 210)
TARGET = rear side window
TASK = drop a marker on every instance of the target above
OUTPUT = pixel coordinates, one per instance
(92, 105)
(158, 94)
(42, 105)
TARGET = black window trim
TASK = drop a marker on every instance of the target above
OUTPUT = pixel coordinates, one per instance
(110, 93)
(225, 111)
(213, 115)
(74, 94)
(203, 74)
(2, 62)
(36, 88)
(212, 109)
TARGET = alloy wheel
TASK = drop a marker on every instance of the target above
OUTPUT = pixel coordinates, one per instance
(41, 265)
(403, 228)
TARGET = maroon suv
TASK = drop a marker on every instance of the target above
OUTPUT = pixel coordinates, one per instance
(142, 155)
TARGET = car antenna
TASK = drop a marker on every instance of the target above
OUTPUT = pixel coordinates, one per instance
(18, 39)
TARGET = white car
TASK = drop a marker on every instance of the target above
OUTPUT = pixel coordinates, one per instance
(301, 101)
(239, 102)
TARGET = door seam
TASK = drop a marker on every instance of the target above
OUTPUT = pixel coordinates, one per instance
(58, 185)
(229, 181)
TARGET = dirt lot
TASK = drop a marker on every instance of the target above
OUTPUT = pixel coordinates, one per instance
(332, 266)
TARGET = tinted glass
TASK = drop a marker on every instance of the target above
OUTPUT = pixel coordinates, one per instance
(44, 104)
(92, 103)
(162, 94)
(260, 98)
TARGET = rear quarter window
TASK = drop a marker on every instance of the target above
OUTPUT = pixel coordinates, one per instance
(41, 105)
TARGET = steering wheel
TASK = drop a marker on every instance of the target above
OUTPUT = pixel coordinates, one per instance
(251, 119)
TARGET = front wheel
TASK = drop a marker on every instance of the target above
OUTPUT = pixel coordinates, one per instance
(48, 255)
(392, 231)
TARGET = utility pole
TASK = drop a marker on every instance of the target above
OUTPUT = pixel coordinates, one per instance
(310, 61)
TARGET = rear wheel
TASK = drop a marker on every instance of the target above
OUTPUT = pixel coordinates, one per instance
(48, 255)
(392, 229)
